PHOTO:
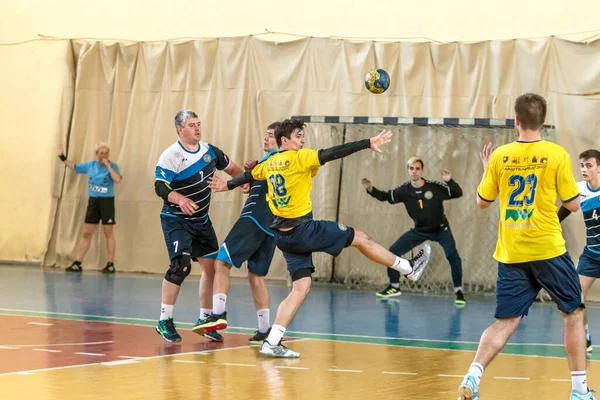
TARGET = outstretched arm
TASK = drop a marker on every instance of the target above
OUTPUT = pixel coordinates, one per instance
(378, 194)
(344, 150)
(61, 154)
(219, 185)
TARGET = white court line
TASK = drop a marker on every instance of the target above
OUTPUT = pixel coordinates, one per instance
(18, 346)
(91, 354)
(560, 380)
(39, 323)
(284, 367)
(48, 350)
(451, 376)
(46, 369)
(189, 361)
(512, 378)
(8, 347)
(118, 362)
(399, 373)
(343, 370)
(239, 365)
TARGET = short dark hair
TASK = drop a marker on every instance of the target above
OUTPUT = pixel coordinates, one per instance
(286, 128)
(591, 153)
(530, 109)
(274, 125)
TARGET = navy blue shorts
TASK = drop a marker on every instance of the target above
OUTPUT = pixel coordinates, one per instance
(518, 285)
(183, 236)
(248, 242)
(310, 237)
(589, 264)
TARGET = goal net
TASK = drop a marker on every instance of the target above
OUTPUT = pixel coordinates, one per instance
(442, 143)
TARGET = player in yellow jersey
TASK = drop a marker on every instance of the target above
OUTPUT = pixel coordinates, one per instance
(528, 175)
(289, 173)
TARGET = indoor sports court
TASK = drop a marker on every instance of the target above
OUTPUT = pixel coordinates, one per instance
(122, 121)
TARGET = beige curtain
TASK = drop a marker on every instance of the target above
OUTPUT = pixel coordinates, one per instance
(128, 93)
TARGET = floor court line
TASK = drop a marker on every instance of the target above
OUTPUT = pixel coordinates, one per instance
(91, 354)
(399, 373)
(18, 346)
(48, 350)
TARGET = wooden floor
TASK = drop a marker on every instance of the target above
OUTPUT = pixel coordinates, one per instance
(93, 337)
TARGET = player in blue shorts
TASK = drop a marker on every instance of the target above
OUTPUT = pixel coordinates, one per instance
(182, 175)
(289, 174)
(588, 267)
(102, 176)
(529, 175)
(250, 239)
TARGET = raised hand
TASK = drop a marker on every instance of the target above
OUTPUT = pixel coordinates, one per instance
(366, 183)
(446, 175)
(486, 153)
(381, 139)
(61, 149)
(217, 184)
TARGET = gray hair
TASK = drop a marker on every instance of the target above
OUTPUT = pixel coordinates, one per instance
(182, 116)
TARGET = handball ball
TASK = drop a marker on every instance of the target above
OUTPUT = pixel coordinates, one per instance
(377, 81)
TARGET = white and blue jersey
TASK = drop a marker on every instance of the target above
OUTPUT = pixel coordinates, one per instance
(187, 173)
(590, 206)
(100, 183)
(256, 207)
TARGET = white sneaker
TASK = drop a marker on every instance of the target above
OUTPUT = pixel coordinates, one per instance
(278, 350)
(575, 395)
(419, 262)
(468, 389)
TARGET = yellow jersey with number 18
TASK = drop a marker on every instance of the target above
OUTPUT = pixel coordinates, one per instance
(528, 177)
(289, 174)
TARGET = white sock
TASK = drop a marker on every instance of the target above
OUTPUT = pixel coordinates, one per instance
(263, 320)
(219, 302)
(205, 312)
(476, 370)
(166, 311)
(402, 265)
(276, 334)
(458, 289)
(395, 285)
(579, 381)
(587, 332)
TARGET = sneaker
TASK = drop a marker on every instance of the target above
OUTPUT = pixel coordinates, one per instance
(468, 389)
(214, 336)
(109, 269)
(211, 323)
(589, 348)
(166, 328)
(277, 351)
(389, 291)
(75, 267)
(419, 262)
(259, 337)
(460, 299)
(575, 395)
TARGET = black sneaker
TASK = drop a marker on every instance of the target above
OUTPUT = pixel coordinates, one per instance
(75, 267)
(211, 323)
(166, 329)
(460, 299)
(259, 337)
(109, 269)
(389, 291)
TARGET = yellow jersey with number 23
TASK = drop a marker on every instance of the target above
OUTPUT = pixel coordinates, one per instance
(289, 174)
(528, 177)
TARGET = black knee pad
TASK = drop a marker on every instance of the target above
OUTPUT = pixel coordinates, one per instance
(180, 268)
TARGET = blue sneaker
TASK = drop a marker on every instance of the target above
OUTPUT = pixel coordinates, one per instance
(468, 389)
(214, 336)
(166, 328)
(575, 395)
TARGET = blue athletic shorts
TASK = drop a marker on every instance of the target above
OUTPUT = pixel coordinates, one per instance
(248, 242)
(518, 285)
(183, 236)
(589, 264)
(310, 237)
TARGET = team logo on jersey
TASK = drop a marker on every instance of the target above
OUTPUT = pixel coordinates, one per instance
(428, 195)
(342, 227)
(505, 159)
(206, 158)
(515, 215)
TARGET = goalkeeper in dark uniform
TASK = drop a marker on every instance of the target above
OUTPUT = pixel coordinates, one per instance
(423, 200)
